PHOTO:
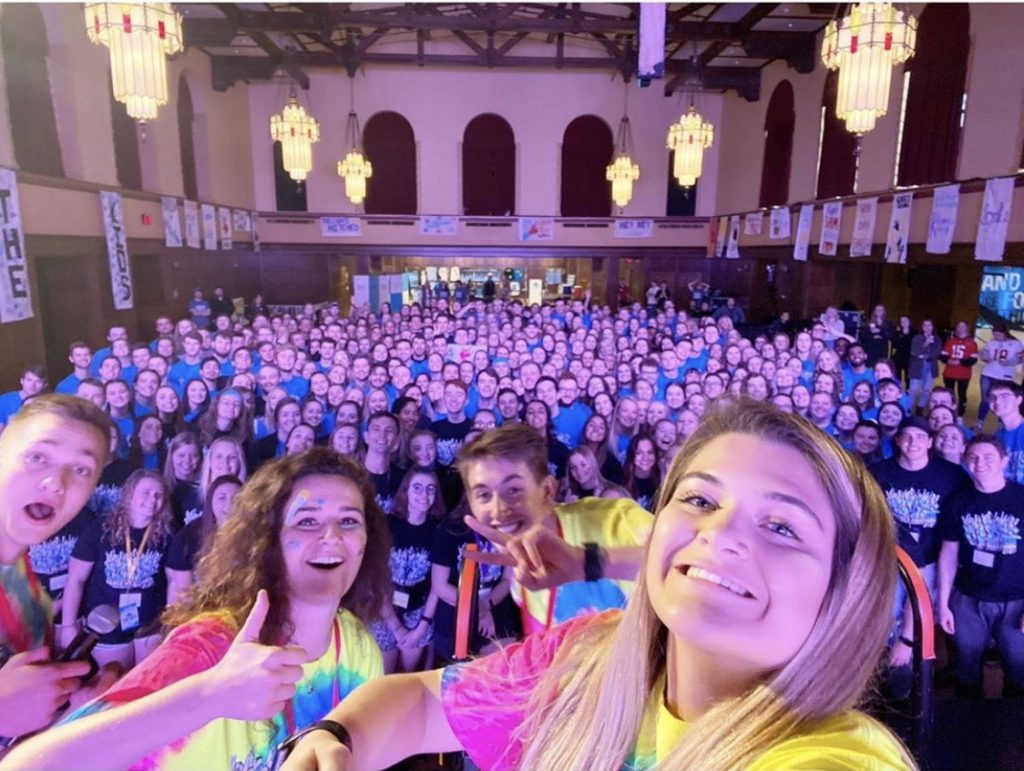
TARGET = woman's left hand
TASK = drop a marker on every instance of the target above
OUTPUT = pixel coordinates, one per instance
(901, 655)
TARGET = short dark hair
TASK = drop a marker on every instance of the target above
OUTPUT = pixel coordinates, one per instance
(1006, 385)
(987, 439)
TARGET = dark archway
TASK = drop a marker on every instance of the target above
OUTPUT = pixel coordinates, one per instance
(126, 146)
(488, 167)
(778, 146)
(186, 140)
(837, 172)
(390, 147)
(587, 148)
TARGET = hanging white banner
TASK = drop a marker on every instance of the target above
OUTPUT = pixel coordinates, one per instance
(803, 232)
(117, 250)
(753, 223)
(863, 227)
(634, 228)
(945, 203)
(192, 224)
(732, 249)
(224, 227)
(341, 227)
(831, 221)
(898, 235)
(172, 221)
(15, 296)
(254, 221)
(240, 220)
(779, 223)
(994, 220)
(209, 227)
(723, 236)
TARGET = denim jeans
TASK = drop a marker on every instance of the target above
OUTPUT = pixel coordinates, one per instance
(976, 623)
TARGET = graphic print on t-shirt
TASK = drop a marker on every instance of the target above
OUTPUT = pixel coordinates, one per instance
(991, 531)
(115, 568)
(446, 450)
(52, 556)
(914, 508)
(409, 566)
(104, 498)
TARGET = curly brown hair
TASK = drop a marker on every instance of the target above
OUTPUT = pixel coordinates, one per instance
(246, 554)
(118, 523)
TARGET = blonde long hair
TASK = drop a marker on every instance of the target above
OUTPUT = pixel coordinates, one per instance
(587, 710)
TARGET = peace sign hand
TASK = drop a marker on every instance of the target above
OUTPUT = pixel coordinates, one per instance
(539, 557)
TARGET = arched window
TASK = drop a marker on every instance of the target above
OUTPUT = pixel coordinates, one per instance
(587, 148)
(391, 147)
(679, 201)
(126, 146)
(33, 124)
(778, 146)
(186, 140)
(837, 169)
(488, 167)
(290, 195)
(935, 96)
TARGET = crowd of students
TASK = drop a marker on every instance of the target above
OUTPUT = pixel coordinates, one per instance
(225, 434)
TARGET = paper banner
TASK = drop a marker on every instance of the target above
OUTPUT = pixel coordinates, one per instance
(723, 236)
(712, 244)
(803, 232)
(15, 297)
(172, 221)
(117, 250)
(536, 228)
(898, 235)
(994, 220)
(360, 291)
(254, 221)
(224, 227)
(241, 220)
(753, 223)
(779, 223)
(439, 226)
(732, 248)
(209, 226)
(831, 220)
(192, 224)
(341, 227)
(945, 203)
(863, 227)
(634, 228)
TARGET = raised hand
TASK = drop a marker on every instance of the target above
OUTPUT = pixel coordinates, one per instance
(539, 557)
(254, 681)
(33, 688)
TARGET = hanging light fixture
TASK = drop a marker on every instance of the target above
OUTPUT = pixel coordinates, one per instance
(139, 36)
(864, 46)
(689, 138)
(297, 131)
(354, 168)
(623, 172)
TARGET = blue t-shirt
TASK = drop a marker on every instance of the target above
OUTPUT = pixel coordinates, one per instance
(97, 359)
(68, 385)
(569, 423)
(1014, 441)
(181, 372)
(297, 387)
(10, 403)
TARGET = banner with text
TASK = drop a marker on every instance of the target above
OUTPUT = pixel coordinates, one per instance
(1002, 296)
(341, 227)
(753, 223)
(723, 236)
(224, 225)
(945, 203)
(863, 227)
(803, 232)
(15, 297)
(831, 221)
(898, 236)
(209, 226)
(117, 250)
(732, 249)
(994, 220)
(439, 226)
(634, 228)
(536, 228)
(192, 224)
(779, 223)
(172, 221)
(254, 221)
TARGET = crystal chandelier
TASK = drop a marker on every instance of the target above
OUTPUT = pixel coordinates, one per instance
(622, 172)
(297, 131)
(139, 36)
(864, 46)
(689, 138)
(354, 168)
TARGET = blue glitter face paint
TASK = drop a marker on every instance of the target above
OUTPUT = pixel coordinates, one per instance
(292, 544)
(297, 505)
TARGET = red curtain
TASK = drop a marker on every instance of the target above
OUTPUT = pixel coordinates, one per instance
(587, 148)
(938, 78)
(488, 167)
(838, 168)
(778, 146)
(391, 147)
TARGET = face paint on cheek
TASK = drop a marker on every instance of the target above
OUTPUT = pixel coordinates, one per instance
(293, 511)
(291, 544)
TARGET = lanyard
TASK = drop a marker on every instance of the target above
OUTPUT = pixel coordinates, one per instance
(15, 625)
(529, 622)
(133, 560)
(289, 708)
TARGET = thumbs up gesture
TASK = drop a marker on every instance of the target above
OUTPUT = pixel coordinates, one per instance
(254, 681)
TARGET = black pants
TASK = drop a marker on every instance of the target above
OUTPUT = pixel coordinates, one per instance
(960, 386)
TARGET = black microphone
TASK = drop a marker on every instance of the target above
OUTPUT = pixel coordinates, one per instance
(103, 619)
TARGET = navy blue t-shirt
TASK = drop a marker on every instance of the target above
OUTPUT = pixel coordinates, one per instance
(915, 499)
(987, 527)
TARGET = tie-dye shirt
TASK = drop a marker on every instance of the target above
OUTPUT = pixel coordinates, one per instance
(30, 607)
(240, 745)
(485, 704)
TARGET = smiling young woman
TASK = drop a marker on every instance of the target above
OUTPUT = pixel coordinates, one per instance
(733, 651)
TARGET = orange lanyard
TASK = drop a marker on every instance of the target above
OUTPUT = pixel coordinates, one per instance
(289, 708)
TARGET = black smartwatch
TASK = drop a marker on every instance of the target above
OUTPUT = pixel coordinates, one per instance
(337, 730)
(593, 570)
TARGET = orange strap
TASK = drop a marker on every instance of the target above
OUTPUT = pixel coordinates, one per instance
(924, 603)
(465, 605)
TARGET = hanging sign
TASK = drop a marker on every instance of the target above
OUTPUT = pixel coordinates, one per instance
(994, 220)
(536, 228)
(117, 250)
(634, 228)
(209, 226)
(945, 203)
(15, 299)
(172, 221)
(192, 224)
(779, 222)
(732, 248)
(341, 227)
(753, 223)
(863, 227)
(898, 235)
(803, 232)
(723, 236)
(224, 227)
(254, 221)
(831, 220)
(240, 220)
(439, 226)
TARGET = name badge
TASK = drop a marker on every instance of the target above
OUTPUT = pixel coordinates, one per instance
(128, 605)
(400, 599)
(984, 558)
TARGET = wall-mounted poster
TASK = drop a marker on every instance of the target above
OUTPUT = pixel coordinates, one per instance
(209, 226)
(945, 203)
(341, 227)
(192, 225)
(863, 227)
(536, 228)
(117, 250)
(779, 222)
(732, 247)
(898, 236)
(224, 226)
(994, 220)
(172, 221)
(753, 223)
(15, 297)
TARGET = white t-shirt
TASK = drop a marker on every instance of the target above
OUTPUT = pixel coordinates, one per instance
(1005, 356)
